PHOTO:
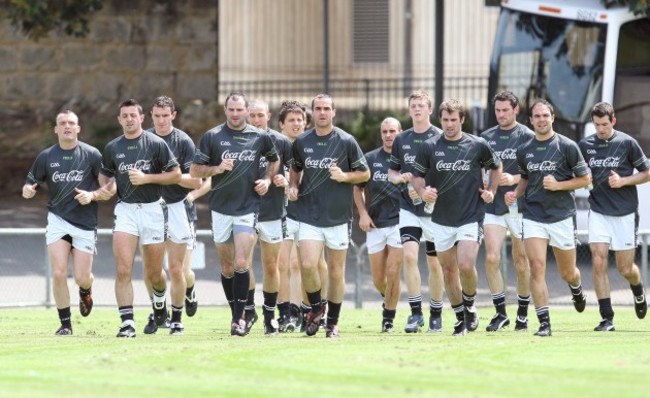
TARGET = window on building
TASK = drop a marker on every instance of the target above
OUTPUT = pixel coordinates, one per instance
(370, 31)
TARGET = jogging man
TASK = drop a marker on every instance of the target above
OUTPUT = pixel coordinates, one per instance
(181, 214)
(612, 157)
(414, 222)
(504, 139)
(140, 163)
(70, 170)
(448, 173)
(378, 207)
(230, 154)
(551, 168)
(327, 161)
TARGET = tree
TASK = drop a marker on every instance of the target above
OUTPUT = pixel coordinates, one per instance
(638, 7)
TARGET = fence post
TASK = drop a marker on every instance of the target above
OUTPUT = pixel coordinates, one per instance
(358, 283)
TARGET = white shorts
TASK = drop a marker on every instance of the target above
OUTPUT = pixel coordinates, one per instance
(446, 237)
(145, 220)
(291, 231)
(620, 232)
(561, 234)
(378, 238)
(82, 240)
(408, 219)
(180, 227)
(223, 225)
(512, 224)
(271, 231)
(336, 237)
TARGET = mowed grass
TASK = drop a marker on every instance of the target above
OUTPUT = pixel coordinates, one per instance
(207, 361)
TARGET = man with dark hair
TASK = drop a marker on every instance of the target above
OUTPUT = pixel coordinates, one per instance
(612, 156)
(140, 163)
(230, 154)
(70, 169)
(504, 139)
(449, 167)
(551, 168)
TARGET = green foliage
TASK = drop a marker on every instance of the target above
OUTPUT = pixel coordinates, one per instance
(638, 7)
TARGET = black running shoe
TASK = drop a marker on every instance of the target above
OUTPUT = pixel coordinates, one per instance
(86, 303)
(238, 328)
(579, 301)
(312, 322)
(640, 306)
(127, 330)
(459, 329)
(387, 326)
(271, 327)
(521, 324)
(150, 327)
(176, 329)
(414, 323)
(63, 331)
(250, 317)
(435, 324)
(191, 304)
(471, 318)
(605, 326)
(544, 330)
(160, 313)
(332, 332)
(499, 322)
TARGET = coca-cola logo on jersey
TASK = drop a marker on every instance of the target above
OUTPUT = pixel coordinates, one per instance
(379, 176)
(409, 158)
(247, 155)
(459, 165)
(547, 165)
(610, 161)
(143, 165)
(324, 163)
(508, 153)
(72, 175)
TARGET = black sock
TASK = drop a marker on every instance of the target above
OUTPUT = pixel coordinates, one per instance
(315, 300)
(64, 317)
(190, 289)
(499, 301)
(522, 309)
(126, 313)
(637, 290)
(84, 292)
(177, 313)
(284, 308)
(435, 308)
(305, 308)
(270, 300)
(389, 315)
(577, 290)
(415, 302)
(240, 292)
(294, 310)
(543, 314)
(227, 284)
(468, 300)
(334, 310)
(250, 300)
(605, 308)
(459, 311)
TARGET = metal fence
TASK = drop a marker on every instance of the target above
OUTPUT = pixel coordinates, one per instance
(25, 275)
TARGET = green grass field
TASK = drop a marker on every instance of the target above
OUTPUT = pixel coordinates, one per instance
(207, 361)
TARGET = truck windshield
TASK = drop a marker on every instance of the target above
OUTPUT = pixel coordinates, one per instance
(557, 59)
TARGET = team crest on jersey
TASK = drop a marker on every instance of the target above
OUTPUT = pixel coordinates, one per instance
(529, 155)
(321, 143)
(591, 152)
(55, 164)
(225, 143)
(120, 156)
(377, 164)
(492, 142)
(309, 150)
(132, 148)
(406, 147)
(440, 153)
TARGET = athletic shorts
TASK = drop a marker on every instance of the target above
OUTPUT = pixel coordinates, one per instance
(512, 224)
(180, 224)
(336, 237)
(291, 231)
(271, 231)
(561, 234)
(378, 238)
(224, 226)
(145, 220)
(446, 237)
(408, 219)
(82, 239)
(620, 232)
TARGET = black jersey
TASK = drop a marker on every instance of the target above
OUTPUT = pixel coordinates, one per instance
(405, 148)
(233, 192)
(323, 202)
(557, 156)
(147, 153)
(504, 143)
(382, 196)
(183, 149)
(621, 154)
(272, 206)
(454, 168)
(63, 170)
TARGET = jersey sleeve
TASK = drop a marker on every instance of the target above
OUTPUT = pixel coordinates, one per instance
(576, 160)
(202, 154)
(108, 165)
(489, 160)
(422, 160)
(167, 159)
(521, 162)
(38, 173)
(268, 149)
(395, 156)
(355, 155)
(297, 161)
(637, 157)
